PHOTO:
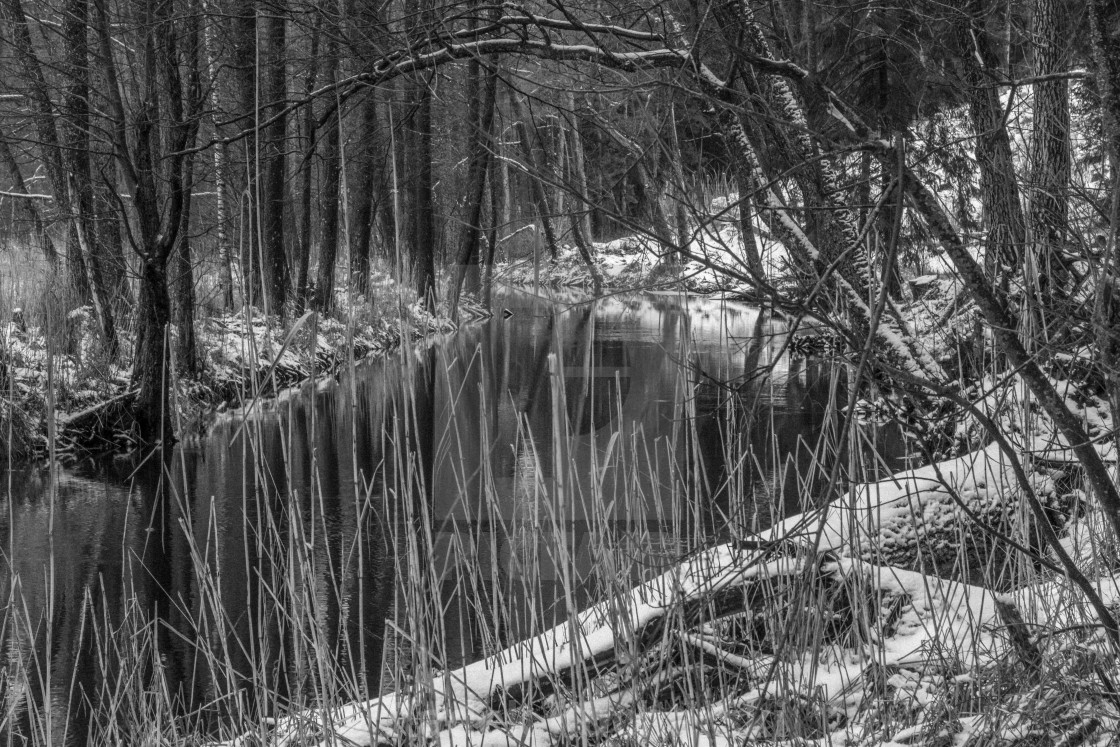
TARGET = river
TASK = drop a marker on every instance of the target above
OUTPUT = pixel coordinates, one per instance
(424, 510)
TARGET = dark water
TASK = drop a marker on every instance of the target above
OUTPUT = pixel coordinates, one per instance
(484, 485)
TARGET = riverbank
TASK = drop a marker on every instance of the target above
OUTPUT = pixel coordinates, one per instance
(895, 615)
(241, 356)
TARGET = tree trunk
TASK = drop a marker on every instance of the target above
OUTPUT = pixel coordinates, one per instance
(497, 211)
(482, 119)
(186, 355)
(534, 171)
(329, 212)
(43, 111)
(66, 158)
(1106, 311)
(370, 173)
(245, 161)
(329, 200)
(157, 165)
(307, 169)
(107, 232)
(1050, 167)
(418, 167)
(87, 264)
(274, 160)
(27, 206)
(150, 374)
(579, 173)
(838, 256)
(221, 159)
(999, 187)
(680, 193)
(649, 196)
(421, 222)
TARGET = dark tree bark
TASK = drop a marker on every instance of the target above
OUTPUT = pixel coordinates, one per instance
(680, 193)
(416, 169)
(578, 162)
(367, 34)
(65, 154)
(834, 253)
(534, 170)
(422, 202)
(330, 192)
(27, 206)
(307, 169)
(274, 159)
(498, 219)
(87, 265)
(367, 194)
(649, 202)
(481, 117)
(244, 162)
(999, 187)
(1106, 311)
(155, 163)
(1050, 165)
(186, 355)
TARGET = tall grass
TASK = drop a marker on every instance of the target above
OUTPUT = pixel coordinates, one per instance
(321, 577)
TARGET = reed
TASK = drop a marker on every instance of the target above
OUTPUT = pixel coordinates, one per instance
(328, 578)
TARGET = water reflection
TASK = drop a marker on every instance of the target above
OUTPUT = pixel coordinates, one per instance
(486, 485)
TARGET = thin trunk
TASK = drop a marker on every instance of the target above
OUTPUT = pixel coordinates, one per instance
(534, 170)
(329, 209)
(579, 173)
(87, 266)
(274, 160)
(1106, 311)
(493, 233)
(186, 356)
(581, 220)
(370, 173)
(332, 172)
(303, 250)
(418, 175)
(27, 206)
(680, 193)
(838, 255)
(107, 232)
(482, 117)
(999, 187)
(745, 171)
(1050, 167)
(246, 164)
(43, 111)
(221, 160)
(649, 197)
(422, 228)
(649, 203)
(587, 255)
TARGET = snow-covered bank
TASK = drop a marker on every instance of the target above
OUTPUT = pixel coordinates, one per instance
(714, 258)
(837, 626)
(241, 356)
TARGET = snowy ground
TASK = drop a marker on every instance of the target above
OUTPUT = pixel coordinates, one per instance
(243, 355)
(715, 254)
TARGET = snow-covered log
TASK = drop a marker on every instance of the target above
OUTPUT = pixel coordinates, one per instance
(926, 518)
(804, 613)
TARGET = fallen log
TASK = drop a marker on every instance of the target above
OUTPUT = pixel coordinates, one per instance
(800, 626)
